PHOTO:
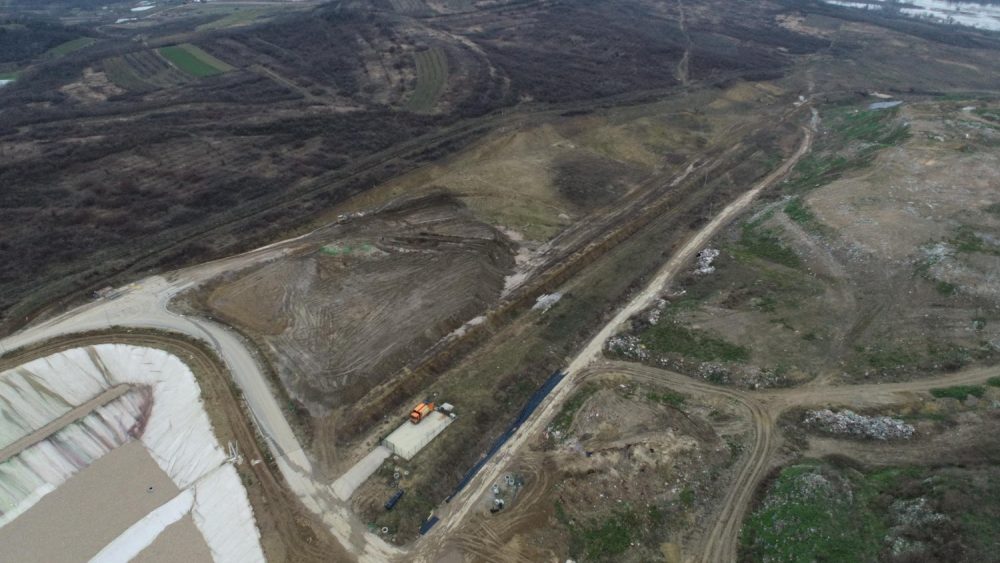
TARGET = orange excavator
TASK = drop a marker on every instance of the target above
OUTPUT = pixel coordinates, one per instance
(420, 411)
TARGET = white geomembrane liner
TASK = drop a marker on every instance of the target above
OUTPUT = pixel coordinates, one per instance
(143, 533)
(177, 433)
(222, 512)
(41, 391)
(40, 468)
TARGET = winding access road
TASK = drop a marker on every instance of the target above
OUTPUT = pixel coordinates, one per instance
(145, 305)
(455, 514)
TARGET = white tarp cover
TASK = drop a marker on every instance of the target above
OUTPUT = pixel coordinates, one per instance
(171, 419)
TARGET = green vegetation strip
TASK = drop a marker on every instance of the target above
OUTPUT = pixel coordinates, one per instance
(856, 136)
(70, 46)
(764, 243)
(432, 73)
(238, 18)
(606, 538)
(666, 398)
(669, 337)
(193, 60)
(966, 239)
(121, 73)
(959, 392)
(564, 419)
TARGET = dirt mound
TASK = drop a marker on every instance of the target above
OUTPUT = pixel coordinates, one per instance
(366, 296)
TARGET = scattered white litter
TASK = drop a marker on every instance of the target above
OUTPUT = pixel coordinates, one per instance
(884, 105)
(850, 423)
(546, 301)
(460, 331)
(143, 533)
(705, 259)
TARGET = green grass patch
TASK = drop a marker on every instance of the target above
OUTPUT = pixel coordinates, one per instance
(815, 170)
(759, 242)
(988, 114)
(686, 497)
(993, 381)
(945, 288)
(345, 250)
(812, 513)
(993, 209)
(798, 211)
(123, 75)
(666, 398)
(193, 61)
(669, 337)
(855, 137)
(959, 392)
(564, 419)
(70, 46)
(879, 127)
(240, 17)
(817, 511)
(432, 74)
(967, 240)
(889, 357)
(611, 537)
(606, 538)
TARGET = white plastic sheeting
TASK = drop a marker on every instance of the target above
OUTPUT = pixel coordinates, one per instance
(41, 391)
(39, 469)
(143, 533)
(222, 512)
(166, 412)
(178, 433)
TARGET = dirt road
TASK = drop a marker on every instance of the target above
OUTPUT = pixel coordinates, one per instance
(453, 516)
(764, 408)
(144, 305)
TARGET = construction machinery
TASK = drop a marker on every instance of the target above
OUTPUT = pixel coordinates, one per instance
(420, 411)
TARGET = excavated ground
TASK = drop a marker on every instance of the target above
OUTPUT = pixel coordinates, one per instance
(355, 302)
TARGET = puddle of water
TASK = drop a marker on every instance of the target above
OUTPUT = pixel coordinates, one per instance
(884, 105)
